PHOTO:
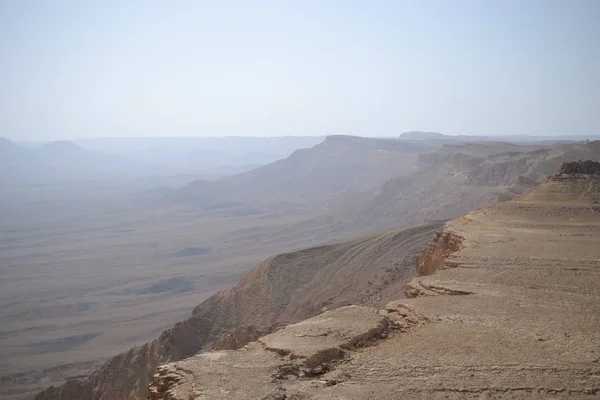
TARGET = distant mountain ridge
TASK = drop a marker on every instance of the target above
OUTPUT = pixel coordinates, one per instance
(118, 158)
(56, 161)
(435, 136)
(338, 165)
(419, 135)
(10, 152)
(411, 183)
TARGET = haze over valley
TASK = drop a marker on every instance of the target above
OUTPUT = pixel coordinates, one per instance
(92, 268)
(307, 200)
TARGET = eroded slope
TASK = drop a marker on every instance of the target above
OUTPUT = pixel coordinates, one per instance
(459, 178)
(284, 289)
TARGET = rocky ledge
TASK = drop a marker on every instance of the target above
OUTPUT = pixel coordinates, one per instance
(282, 364)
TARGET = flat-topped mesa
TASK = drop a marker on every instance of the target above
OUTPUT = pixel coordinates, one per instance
(588, 167)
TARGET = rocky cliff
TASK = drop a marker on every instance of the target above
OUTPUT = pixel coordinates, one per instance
(488, 247)
(435, 255)
(509, 309)
(284, 289)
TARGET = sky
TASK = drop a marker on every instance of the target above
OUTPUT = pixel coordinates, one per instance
(75, 69)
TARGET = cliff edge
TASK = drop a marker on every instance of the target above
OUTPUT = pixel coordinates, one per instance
(509, 307)
(282, 290)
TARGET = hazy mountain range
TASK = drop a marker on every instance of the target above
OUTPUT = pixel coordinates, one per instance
(402, 184)
(110, 159)
(204, 158)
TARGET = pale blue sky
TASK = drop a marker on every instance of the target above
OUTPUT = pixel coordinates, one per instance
(80, 68)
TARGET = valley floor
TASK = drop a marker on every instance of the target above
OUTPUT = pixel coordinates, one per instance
(85, 278)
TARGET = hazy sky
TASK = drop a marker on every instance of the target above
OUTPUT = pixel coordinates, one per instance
(82, 68)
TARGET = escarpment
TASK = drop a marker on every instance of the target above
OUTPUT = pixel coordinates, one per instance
(284, 289)
(503, 304)
(506, 306)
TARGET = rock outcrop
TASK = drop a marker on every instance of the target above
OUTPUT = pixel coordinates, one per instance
(575, 182)
(283, 364)
(588, 167)
(435, 255)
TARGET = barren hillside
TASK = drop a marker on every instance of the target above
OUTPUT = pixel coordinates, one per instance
(507, 307)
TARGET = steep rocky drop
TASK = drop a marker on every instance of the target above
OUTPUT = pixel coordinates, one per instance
(509, 308)
(284, 289)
